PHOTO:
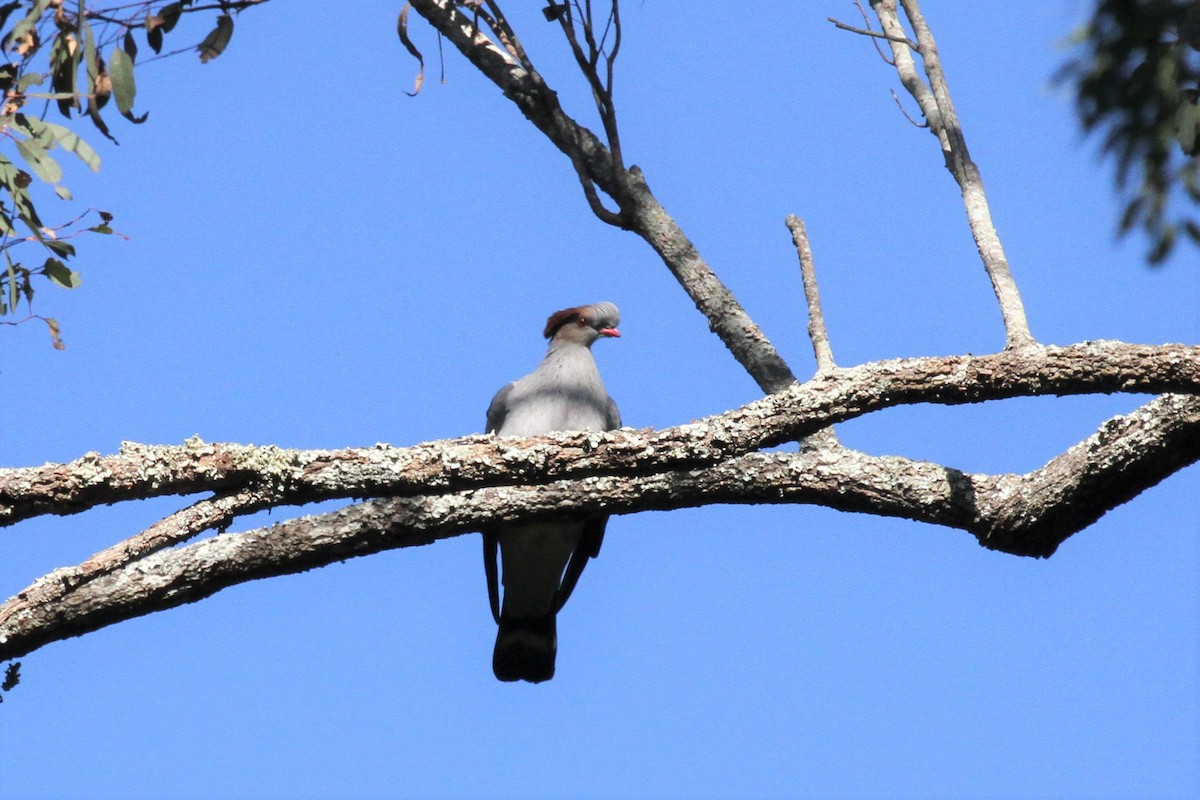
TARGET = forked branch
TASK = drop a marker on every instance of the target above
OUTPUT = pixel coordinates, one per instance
(599, 168)
(938, 108)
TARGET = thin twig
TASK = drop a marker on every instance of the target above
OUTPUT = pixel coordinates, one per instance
(816, 318)
(904, 110)
(874, 34)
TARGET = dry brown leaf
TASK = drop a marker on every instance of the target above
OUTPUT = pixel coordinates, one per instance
(28, 42)
(402, 29)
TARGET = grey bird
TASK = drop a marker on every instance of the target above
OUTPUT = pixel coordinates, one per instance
(542, 561)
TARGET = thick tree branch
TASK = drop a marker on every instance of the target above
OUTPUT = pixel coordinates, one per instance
(938, 108)
(1021, 514)
(300, 476)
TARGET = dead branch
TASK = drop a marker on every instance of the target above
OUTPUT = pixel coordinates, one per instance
(817, 332)
(938, 108)
(638, 209)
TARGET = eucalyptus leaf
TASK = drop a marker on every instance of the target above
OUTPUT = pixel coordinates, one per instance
(39, 160)
(120, 69)
(61, 274)
(71, 142)
(214, 44)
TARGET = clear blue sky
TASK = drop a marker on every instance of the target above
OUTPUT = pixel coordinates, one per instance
(319, 261)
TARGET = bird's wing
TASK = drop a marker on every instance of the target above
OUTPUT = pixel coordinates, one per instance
(612, 416)
(593, 530)
(492, 571)
(498, 409)
(496, 414)
(587, 549)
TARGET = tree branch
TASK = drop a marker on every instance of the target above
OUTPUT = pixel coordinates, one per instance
(868, 32)
(938, 108)
(1021, 514)
(639, 210)
(302, 476)
(816, 318)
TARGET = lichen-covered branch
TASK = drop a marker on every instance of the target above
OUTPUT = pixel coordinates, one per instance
(1022, 514)
(300, 476)
(938, 108)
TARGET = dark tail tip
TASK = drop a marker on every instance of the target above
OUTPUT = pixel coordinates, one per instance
(525, 649)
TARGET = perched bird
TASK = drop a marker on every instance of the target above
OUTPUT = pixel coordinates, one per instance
(543, 560)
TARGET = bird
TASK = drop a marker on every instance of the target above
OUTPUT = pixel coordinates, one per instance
(542, 561)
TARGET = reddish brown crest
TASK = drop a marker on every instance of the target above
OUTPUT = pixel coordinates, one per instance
(560, 318)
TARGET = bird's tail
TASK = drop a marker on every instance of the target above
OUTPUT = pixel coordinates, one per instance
(525, 649)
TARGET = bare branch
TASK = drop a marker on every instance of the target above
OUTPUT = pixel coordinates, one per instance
(475, 462)
(587, 62)
(816, 318)
(904, 111)
(1022, 514)
(210, 514)
(876, 34)
(639, 211)
(936, 105)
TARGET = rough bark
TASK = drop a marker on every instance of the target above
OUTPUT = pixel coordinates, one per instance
(447, 488)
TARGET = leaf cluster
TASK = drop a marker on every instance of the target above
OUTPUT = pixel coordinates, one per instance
(1136, 79)
(75, 57)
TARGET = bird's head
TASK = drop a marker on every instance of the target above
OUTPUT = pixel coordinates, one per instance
(583, 324)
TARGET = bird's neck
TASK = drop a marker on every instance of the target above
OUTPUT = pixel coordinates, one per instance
(570, 360)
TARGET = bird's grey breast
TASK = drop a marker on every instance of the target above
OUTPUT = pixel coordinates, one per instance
(564, 394)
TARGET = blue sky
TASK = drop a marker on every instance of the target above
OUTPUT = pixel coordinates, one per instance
(317, 260)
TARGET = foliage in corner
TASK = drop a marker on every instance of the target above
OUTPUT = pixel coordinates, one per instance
(73, 57)
(1137, 79)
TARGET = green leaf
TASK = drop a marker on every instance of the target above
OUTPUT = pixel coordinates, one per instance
(39, 160)
(120, 69)
(30, 79)
(58, 272)
(214, 44)
(15, 180)
(68, 140)
(64, 249)
(1187, 128)
(63, 192)
(1163, 247)
(1192, 229)
(37, 130)
(98, 86)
